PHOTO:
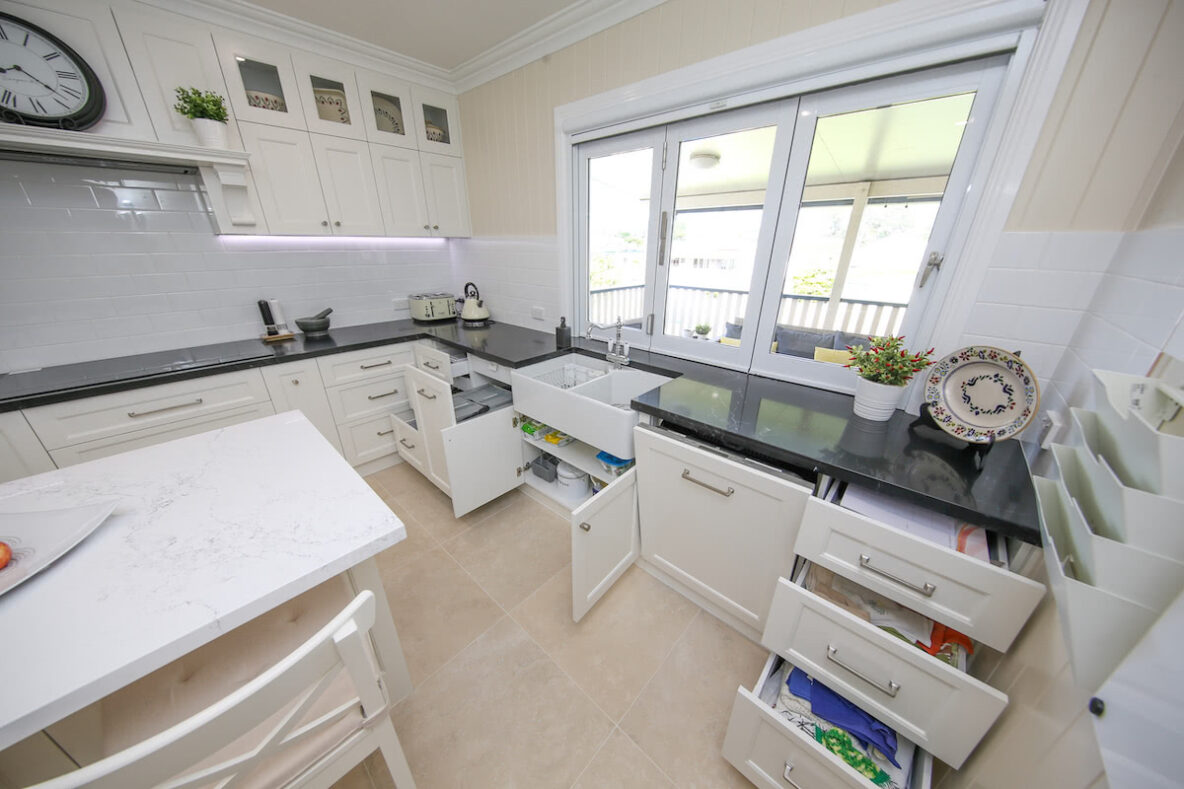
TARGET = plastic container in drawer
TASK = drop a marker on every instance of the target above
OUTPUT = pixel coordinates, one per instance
(988, 603)
(940, 708)
(775, 753)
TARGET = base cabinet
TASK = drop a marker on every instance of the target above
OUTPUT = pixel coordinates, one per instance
(721, 528)
(432, 400)
(605, 541)
(21, 453)
(298, 386)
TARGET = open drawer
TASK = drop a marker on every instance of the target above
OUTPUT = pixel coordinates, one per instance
(408, 442)
(440, 360)
(774, 753)
(988, 603)
(940, 708)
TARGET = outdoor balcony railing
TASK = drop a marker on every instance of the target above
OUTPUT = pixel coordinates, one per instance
(688, 307)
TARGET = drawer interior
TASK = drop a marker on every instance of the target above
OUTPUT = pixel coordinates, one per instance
(406, 416)
(917, 763)
(468, 403)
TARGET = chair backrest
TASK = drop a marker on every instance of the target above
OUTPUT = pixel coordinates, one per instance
(290, 687)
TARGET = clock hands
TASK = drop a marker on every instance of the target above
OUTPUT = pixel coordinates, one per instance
(17, 67)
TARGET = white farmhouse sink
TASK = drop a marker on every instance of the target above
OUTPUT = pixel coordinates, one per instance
(585, 398)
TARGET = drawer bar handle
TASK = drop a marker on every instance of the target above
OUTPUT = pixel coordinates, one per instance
(686, 474)
(376, 364)
(586, 526)
(134, 414)
(386, 432)
(892, 688)
(785, 775)
(927, 589)
(431, 365)
(384, 394)
(425, 395)
(403, 441)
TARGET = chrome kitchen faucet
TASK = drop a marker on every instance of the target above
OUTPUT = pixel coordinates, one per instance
(618, 352)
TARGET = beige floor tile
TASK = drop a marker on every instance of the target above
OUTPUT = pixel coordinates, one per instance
(397, 478)
(427, 504)
(380, 776)
(500, 714)
(356, 778)
(682, 715)
(437, 609)
(620, 764)
(615, 649)
(512, 552)
(419, 541)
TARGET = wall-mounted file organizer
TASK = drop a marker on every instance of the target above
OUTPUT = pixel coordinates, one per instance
(1131, 411)
(1099, 625)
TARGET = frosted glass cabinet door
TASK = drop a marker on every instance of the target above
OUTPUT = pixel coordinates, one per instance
(347, 180)
(286, 176)
(400, 191)
(329, 96)
(166, 52)
(447, 195)
(386, 109)
(437, 121)
(260, 80)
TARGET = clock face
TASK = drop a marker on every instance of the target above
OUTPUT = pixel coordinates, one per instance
(42, 81)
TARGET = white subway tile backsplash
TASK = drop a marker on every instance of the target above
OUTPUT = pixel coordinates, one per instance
(1020, 250)
(100, 262)
(1081, 251)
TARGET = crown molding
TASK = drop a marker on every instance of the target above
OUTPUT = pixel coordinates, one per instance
(238, 15)
(561, 29)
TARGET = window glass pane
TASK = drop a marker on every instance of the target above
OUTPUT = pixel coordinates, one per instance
(618, 226)
(261, 81)
(330, 98)
(718, 208)
(874, 184)
(388, 112)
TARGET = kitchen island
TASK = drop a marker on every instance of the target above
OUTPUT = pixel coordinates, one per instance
(209, 532)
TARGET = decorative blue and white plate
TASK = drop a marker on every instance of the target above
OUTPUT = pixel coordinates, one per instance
(979, 393)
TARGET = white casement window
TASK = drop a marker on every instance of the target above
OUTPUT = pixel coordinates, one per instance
(770, 237)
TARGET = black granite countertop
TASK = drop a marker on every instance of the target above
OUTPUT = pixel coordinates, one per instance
(503, 343)
(784, 422)
(817, 430)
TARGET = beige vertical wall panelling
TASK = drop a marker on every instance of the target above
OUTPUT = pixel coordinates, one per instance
(1115, 122)
(509, 122)
(1167, 206)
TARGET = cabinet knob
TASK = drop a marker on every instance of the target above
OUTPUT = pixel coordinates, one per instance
(324, 223)
(586, 526)
(295, 382)
(427, 227)
(337, 223)
(435, 227)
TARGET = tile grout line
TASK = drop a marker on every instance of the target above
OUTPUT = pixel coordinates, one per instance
(595, 753)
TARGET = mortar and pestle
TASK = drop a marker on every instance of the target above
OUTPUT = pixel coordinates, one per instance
(317, 325)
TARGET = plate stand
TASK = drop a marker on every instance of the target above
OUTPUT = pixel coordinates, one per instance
(977, 451)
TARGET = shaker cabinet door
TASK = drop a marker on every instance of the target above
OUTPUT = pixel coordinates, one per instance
(260, 80)
(604, 542)
(347, 180)
(286, 177)
(437, 121)
(447, 195)
(329, 96)
(400, 191)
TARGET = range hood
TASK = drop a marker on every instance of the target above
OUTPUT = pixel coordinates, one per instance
(224, 174)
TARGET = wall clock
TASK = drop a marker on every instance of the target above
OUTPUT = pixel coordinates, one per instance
(43, 82)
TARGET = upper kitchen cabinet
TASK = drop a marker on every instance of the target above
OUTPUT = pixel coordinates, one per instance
(347, 180)
(386, 109)
(437, 121)
(260, 80)
(447, 196)
(329, 95)
(289, 187)
(167, 52)
(89, 29)
(400, 191)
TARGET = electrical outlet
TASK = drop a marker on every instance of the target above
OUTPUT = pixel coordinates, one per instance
(538, 313)
(400, 304)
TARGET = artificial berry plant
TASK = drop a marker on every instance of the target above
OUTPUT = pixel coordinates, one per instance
(887, 361)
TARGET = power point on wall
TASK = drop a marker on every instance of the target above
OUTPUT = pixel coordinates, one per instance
(1049, 426)
(538, 313)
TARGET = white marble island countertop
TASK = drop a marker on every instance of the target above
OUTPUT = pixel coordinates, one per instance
(209, 532)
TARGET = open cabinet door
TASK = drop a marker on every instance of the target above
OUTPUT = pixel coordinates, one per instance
(484, 459)
(605, 540)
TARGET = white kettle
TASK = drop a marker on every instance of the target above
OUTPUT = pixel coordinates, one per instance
(474, 311)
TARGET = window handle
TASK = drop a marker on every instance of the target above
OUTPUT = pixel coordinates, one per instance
(931, 265)
(662, 240)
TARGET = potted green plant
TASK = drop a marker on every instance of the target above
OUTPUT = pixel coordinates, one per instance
(207, 110)
(702, 330)
(885, 369)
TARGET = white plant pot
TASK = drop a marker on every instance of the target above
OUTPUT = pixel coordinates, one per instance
(876, 401)
(210, 133)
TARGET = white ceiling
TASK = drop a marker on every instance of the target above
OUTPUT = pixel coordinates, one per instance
(443, 33)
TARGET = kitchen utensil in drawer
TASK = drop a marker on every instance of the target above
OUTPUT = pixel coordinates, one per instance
(936, 706)
(987, 603)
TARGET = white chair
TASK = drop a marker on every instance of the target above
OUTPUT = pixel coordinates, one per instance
(258, 735)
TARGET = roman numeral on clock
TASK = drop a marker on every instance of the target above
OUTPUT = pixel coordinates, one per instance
(70, 92)
(3, 35)
(37, 105)
(8, 98)
(67, 75)
(51, 56)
